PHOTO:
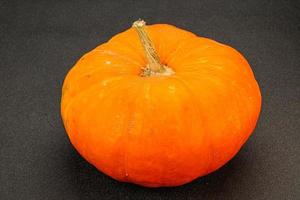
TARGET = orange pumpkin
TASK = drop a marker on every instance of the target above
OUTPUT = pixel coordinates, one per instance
(160, 106)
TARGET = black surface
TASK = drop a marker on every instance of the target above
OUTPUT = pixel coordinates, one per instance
(39, 43)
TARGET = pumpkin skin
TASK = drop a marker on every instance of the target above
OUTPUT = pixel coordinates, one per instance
(160, 130)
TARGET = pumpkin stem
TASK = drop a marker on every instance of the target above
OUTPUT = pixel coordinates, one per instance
(154, 65)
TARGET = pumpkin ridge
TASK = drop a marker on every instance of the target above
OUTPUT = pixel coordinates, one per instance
(191, 92)
(212, 157)
(221, 75)
(82, 92)
(172, 54)
(231, 64)
(192, 51)
(127, 143)
(136, 56)
(118, 55)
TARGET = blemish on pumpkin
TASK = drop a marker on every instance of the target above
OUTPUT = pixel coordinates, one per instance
(104, 83)
(172, 89)
(203, 61)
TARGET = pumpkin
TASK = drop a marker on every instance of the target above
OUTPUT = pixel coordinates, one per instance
(159, 106)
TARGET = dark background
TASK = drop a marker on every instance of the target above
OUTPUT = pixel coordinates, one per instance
(39, 43)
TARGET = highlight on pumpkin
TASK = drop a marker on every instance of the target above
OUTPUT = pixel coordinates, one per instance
(176, 124)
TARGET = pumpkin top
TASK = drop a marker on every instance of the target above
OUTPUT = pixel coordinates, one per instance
(170, 51)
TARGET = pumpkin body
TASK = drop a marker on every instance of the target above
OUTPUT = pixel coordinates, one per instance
(160, 130)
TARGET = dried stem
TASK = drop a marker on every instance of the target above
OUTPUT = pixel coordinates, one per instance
(154, 64)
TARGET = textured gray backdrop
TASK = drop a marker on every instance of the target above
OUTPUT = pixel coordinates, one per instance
(41, 40)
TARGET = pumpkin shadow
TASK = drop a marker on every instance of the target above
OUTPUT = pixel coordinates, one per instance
(88, 183)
